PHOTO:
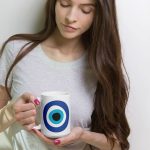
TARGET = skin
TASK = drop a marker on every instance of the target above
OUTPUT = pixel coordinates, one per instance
(24, 110)
(76, 14)
(74, 136)
(63, 45)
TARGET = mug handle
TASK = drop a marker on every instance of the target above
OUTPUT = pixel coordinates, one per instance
(37, 102)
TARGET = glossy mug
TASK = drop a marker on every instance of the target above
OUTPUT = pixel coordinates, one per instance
(55, 113)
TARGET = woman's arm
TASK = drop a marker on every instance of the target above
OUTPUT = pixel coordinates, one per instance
(3, 96)
(98, 140)
(6, 116)
(6, 113)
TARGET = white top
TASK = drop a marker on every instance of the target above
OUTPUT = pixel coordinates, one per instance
(37, 73)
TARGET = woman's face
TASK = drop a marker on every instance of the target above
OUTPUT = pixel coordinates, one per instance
(74, 17)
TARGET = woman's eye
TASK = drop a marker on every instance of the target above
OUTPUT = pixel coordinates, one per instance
(87, 11)
(64, 4)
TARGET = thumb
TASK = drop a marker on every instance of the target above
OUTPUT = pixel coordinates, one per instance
(28, 97)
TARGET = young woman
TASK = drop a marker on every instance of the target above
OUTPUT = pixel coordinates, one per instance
(78, 50)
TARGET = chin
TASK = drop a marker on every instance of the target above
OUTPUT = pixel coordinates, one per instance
(70, 36)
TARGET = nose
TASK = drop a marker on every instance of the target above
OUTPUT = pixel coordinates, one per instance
(71, 16)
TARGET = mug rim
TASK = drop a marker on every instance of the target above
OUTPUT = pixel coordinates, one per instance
(53, 93)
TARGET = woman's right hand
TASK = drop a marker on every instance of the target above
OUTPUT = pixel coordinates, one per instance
(25, 111)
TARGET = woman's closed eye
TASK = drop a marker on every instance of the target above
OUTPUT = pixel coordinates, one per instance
(87, 10)
(64, 3)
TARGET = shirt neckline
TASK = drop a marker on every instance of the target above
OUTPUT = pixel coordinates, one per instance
(80, 62)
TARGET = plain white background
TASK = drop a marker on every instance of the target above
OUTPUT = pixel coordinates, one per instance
(26, 16)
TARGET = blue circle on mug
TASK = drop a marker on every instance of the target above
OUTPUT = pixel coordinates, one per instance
(56, 116)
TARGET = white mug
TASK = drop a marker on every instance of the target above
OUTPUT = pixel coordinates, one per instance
(55, 113)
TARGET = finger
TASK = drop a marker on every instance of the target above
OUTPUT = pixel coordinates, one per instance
(23, 115)
(28, 97)
(36, 102)
(28, 121)
(65, 140)
(24, 107)
(71, 138)
(43, 137)
(25, 98)
(29, 127)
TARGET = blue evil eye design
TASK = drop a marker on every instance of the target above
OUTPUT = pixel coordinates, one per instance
(56, 116)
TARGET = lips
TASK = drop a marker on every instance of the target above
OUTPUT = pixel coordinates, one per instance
(69, 28)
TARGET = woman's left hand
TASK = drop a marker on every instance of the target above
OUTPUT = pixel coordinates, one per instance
(73, 137)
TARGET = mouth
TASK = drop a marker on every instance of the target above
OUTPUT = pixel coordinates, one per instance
(69, 28)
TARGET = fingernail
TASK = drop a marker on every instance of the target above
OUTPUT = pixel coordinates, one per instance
(56, 142)
(37, 102)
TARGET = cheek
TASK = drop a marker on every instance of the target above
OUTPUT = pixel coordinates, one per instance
(87, 22)
(58, 13)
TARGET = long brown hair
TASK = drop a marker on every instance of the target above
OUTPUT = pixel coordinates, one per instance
(105, 58)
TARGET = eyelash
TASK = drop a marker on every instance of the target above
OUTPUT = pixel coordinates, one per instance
(82, 10)
(64, 5)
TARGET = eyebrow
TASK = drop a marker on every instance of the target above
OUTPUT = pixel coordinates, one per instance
(85, 4)
(88, 4)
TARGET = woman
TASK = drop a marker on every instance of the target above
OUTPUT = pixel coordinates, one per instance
(79, 51)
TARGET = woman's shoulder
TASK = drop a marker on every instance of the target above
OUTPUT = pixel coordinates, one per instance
(17, 43)
(13, 47)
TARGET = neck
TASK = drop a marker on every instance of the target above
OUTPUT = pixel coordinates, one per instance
(66, 46)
